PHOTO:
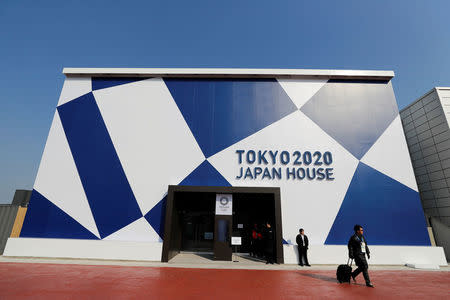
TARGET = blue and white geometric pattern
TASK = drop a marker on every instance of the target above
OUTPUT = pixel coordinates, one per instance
(353, 113)
(151, 138)
(73, 88)
(98, 165)
(387, 155)
(291, 133)
(221, 112)
(46, 220)
(58, 179)
(372, 194)
(117, 143)
(301, 90)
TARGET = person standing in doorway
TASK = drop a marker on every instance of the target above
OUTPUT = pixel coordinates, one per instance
(259, 242)
(253, 241)
(357, 250)
(268, 238)
(303, 244)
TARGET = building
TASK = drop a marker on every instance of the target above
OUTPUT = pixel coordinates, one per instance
(12, 215)
(145, 163)
(425, 122)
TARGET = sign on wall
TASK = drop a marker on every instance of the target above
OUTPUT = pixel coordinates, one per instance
(224, 204)
(236, 240)
(287, 165)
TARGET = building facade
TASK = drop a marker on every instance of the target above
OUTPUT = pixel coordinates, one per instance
(135, 156)
(425, 122)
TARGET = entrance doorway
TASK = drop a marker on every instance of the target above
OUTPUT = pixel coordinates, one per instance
(191, 224)
(250, 209)
(196, 213)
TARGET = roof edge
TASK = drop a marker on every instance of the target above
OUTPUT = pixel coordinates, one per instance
(228, 72)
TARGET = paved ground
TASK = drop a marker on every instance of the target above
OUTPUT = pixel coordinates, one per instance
(22, 280)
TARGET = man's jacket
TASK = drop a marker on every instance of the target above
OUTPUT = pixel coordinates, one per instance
(299, 240)
(354, 246)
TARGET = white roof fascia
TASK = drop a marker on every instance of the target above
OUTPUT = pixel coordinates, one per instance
(213, 72)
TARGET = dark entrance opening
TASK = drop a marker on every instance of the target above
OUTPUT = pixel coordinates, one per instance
(250, 209)
(191, 223)
(196, 213)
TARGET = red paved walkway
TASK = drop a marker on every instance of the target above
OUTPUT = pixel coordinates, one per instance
(55, 281)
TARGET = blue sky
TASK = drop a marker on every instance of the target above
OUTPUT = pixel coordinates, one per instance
(39, 38)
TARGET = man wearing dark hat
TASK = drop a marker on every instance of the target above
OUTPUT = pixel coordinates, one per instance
(303, 243)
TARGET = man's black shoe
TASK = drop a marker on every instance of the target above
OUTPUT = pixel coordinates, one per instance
(369, 285)
(308, 265)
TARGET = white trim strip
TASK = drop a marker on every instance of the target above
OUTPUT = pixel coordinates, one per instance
(193, 72)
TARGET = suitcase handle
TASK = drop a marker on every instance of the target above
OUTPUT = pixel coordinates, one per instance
(350, 260)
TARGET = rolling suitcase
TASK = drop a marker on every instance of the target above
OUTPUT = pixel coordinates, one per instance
(344, 272)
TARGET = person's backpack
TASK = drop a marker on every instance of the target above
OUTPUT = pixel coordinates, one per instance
(344, 272)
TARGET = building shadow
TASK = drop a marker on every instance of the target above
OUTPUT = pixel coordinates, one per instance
(251, 258)
(209, 256)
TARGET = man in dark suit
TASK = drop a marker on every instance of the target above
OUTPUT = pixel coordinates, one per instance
(303, 244)
(268, 238)
(357, 250)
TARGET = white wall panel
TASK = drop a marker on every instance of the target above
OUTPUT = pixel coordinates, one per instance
(301, 90)
(147, 251)
(379, 255)
(86, 249)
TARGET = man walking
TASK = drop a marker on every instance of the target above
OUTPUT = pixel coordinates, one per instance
(357, 250)
(303, 243)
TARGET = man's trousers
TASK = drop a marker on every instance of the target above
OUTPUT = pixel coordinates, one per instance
(302, 255)
(363, 267)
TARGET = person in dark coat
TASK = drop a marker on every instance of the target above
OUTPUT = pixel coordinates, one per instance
(268, 238)
(357, 250)
(303, 244)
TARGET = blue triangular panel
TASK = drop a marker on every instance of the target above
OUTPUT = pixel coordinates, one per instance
(354, 113)
(205, 174)
(106, 82)
(221, 112)
(156, 216)
(390, 212)
(46, 220)
(284, 242)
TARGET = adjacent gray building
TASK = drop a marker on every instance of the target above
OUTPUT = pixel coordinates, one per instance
(8, 215)
(426, 126)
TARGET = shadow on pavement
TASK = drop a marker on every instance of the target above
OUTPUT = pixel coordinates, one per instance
(330, 279)
(251, 258)
(320, 277)
(209, 256)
